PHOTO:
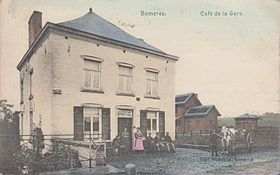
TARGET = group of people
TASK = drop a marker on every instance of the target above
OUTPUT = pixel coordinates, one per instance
(150, 145)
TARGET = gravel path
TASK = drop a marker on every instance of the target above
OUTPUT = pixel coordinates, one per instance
(191, 161)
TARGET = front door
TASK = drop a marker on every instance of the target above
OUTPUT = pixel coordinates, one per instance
(125, 123)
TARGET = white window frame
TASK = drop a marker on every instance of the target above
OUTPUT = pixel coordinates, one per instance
(91, 116)
(128, 66)
(149, 117)
(92, 71)
(21, 90)
(152, 83)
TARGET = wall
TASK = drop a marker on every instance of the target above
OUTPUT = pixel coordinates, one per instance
(68, 76)
(246, 124)
(182, 108)
(40, 104)
(204, 122)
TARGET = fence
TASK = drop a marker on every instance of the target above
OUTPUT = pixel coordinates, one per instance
(53, 152)
(266, 137)
(196, 138)
(263, 138)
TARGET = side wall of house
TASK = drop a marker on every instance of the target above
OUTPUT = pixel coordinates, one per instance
(204, 123)
(68, 76)
(35, 76)
(180, 111)
(246, 124)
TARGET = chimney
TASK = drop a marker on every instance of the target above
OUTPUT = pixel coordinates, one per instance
(35, 26)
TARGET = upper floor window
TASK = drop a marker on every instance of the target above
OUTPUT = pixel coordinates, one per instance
(151, 83)
(21, 90)
(30, 83)
(92, 74)
(125, 79)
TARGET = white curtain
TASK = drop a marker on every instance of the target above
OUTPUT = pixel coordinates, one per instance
(125, 79)
(92, 74)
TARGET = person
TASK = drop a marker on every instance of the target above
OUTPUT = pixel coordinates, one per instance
(168, 143)
(125, 138)
(249, 142)
(117, 145)
(149, 143)
(214, 142)
(139, 147)
(158, 143)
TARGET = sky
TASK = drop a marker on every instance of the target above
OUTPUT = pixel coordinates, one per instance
(229, 61)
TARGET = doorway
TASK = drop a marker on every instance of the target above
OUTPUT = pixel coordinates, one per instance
(122, 124)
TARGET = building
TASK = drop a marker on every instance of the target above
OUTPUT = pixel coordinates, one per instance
(201, 119)
(246, 121)
(87, 76)
(184, 102)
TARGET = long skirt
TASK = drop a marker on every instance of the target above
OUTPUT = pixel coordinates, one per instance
(139, 145)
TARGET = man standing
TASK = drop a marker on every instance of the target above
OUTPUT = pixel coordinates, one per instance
(214, 142)
(249, 142)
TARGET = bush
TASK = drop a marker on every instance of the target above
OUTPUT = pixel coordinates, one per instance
(60, 156)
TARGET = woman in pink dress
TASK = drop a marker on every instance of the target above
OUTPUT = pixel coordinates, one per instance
(138, 141)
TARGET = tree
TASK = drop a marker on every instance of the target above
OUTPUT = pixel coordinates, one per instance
(6, 110)
(9, 136)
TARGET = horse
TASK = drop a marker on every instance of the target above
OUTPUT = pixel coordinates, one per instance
(229, 137)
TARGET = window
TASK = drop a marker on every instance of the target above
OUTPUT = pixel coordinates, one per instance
(125, 79)
(30, 83)
(31, 122)
(152, 83)
(21, 90)
(92, 121)
(92, 74)
(152, 123)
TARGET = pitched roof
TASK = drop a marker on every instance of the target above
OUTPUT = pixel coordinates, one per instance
(202, 110)
(94, 24)
(183, 98)
(247, 116)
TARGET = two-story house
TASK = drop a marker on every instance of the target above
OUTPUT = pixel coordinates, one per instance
(88, 76)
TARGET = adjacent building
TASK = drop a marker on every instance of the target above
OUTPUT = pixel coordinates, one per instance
(201, 119)
(184, 102)
(87, 76)
(192, 116)
(246, 121)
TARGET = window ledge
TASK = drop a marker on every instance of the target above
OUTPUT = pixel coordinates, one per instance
(152, 97)
(125, 94)
(84, 89)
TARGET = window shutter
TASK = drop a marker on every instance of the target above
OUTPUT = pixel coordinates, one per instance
(143, 122)
(106, 123)
(78, 123)
(162, 123)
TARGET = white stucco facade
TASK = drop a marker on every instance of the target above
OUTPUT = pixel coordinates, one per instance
(58, 78)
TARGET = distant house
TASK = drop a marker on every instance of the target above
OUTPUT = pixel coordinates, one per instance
(201, 119)
(184, 102)
(87, 76)
(246, 121)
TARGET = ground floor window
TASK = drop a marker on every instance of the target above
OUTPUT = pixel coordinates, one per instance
(152, 123)
(92, 122)
(31, 122)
